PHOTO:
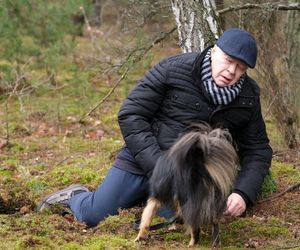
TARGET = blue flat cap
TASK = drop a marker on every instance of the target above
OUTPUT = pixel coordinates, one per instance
(239, 44)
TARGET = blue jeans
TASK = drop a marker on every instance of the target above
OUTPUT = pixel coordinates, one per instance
(119, 189)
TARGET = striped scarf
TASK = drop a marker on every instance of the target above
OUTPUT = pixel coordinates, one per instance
(219, 95)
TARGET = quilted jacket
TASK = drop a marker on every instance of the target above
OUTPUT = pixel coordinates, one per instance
(171, 96)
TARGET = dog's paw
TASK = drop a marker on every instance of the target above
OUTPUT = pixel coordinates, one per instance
(172, 227)
(137, 239)
(191, 243)
(141, 236)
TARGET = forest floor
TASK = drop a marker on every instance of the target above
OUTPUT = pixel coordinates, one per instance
(49, 149)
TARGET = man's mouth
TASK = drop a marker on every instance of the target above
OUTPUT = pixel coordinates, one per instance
(227, 80)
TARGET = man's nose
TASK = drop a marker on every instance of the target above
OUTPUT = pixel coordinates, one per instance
(232, 68)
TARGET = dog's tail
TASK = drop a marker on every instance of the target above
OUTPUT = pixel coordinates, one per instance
(209, 154)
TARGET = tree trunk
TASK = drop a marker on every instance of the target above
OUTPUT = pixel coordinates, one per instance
(197, 23)
(96, 12)
(279, 69)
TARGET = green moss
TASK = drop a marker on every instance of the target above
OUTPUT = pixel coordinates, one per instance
(274, 134)
(66, 176)
(175, 236)
(116, 222)
(245, 228)
(16, 147)
(108, 242)
(32, 147)
(10, 161)
(285, 172)
(269, 186)
(272, 232)
(233, 248)
(6, 173)
(296, 209)
(36, 185)
(238, 224)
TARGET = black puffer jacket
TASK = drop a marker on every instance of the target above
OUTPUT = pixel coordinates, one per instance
(171, 96)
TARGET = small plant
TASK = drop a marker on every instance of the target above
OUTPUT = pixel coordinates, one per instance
(269, 186)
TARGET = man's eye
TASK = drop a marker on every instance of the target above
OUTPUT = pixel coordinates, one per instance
(228, 59)
(243, 67)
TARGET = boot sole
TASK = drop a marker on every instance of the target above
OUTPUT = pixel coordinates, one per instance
(74, 187)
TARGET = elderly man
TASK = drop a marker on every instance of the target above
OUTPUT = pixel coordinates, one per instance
(211, 87)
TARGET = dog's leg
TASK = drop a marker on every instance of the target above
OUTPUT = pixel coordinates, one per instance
(195, 235)
(216, 235)
(148, 213)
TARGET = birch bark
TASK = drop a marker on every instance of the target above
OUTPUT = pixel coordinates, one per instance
(197, 23)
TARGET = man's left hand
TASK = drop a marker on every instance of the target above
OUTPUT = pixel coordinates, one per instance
(235, 205)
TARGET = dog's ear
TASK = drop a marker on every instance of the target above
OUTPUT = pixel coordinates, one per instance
(201, 127)
(223, 134)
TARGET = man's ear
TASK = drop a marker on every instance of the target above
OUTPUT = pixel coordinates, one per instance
(213, 50)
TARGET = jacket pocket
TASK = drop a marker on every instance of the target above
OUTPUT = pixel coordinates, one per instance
(186, 101)
(165, 135)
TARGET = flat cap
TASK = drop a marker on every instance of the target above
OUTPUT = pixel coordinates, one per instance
(239, 44)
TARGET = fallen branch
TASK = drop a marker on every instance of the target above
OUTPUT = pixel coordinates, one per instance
(289, 189)
(265, 6)
(288, 247)
(144, 50)
(62, 161)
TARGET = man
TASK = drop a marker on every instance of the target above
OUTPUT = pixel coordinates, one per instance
(211, 87)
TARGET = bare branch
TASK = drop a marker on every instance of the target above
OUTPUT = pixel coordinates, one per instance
(270, 106)
(107, 95)
(289, 189)
(144, 50)
(265, 6)
(288, 247)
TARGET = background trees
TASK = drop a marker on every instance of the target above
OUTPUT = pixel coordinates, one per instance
(43, 33)
(276, 27)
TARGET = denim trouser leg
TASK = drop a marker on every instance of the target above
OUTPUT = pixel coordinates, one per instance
(119, 189)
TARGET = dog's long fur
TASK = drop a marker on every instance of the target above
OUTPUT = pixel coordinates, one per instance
(194, 177)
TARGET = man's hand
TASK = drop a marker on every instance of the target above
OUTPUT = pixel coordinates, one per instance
(235, 205)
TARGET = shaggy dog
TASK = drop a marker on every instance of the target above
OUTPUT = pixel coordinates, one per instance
(194, 178)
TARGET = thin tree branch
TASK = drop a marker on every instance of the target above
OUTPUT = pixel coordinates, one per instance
(270, 105)
(62, 161)
(288, 247)
(107, 95)
(289, 189)
(144, 50)
(266, 6)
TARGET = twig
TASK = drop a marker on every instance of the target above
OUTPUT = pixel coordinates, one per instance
(106, 96)
(288, 247)
(128, 68)
(267, 6)
(270, 105)
(17, 81)
(63, 160)
(289, 189)
(7, 124)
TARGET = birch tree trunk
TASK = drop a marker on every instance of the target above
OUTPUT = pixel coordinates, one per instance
(197, 23)
(96, 12)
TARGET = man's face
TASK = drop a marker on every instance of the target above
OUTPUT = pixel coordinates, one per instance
(226, 70)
